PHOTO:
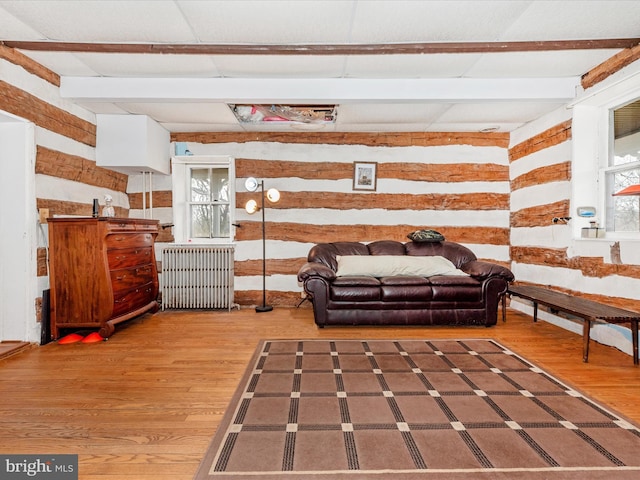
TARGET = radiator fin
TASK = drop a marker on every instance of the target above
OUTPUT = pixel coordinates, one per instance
(197, 277)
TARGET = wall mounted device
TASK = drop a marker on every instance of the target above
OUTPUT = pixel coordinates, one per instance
(586, 212)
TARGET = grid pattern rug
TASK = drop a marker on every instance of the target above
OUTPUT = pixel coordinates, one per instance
(434, 409)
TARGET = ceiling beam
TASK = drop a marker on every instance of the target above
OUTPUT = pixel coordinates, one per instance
(324, 90)
(326, 49)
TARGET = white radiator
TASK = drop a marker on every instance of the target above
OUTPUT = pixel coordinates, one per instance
(197, 277)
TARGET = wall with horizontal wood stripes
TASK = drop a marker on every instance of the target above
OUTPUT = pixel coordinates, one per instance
(66, 176)
(545, 253)
(493, 192)
(455, 183)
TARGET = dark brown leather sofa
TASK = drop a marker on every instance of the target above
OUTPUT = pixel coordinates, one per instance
(403, 299)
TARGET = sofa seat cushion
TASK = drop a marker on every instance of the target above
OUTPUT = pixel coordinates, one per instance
(353, 289)
(404, 280)
(449, 288)
(454, 280)
(405, 289)
(356, 281)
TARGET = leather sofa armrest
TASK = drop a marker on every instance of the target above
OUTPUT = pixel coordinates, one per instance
(483, 270)
(313, 269)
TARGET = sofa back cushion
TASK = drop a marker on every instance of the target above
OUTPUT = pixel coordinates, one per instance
(326, 253)
(456, 253)
(386, 247)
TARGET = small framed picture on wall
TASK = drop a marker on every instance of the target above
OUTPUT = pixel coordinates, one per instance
(364, 175)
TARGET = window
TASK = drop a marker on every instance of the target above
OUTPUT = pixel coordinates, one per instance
(203, 199)
(605, 159)
(623, 212)
(209, 202)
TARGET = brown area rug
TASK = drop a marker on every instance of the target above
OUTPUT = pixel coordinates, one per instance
(436, 409)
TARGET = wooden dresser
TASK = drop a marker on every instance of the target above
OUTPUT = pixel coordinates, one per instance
(102, 271)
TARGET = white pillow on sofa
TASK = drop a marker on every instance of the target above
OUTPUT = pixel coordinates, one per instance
(390, 265)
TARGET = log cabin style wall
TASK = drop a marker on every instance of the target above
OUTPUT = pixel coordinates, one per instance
(547, 254)
(66, 176)
(496, 193)
(455, 183)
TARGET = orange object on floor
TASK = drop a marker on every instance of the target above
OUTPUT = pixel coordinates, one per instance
(71, 338)
(93, 338)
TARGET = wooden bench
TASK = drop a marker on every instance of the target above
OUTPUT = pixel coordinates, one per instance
(588, 310)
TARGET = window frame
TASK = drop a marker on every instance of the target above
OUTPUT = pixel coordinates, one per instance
(181, 196)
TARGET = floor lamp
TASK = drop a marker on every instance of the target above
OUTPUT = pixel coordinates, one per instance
(273, 195)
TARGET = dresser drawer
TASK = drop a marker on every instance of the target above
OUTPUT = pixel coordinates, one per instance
(127, 278)
(127, 300)
(145, 227)
(115, 226)
(127, 240)
(129, 257)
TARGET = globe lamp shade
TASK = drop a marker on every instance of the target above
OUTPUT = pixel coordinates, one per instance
(273, 195)
(251, 184)
(251, 207)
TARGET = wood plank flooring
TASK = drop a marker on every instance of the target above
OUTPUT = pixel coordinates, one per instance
(8, 348)
(146, 403)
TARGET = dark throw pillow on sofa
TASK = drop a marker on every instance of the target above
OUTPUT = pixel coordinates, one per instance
(426, 236)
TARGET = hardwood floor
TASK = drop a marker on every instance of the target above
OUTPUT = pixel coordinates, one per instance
(146, 403)
(8, 348)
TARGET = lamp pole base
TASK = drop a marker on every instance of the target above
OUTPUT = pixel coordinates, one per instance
(264, 308)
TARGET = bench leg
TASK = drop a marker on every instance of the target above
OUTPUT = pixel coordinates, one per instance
(535, 311)
(634, 333)
(586, 331)
(504, 308)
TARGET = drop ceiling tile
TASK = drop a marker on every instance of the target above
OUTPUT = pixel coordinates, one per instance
(273, 22)
(576, 20)
(104, 21)
(200, 127)
(383, 127)
(103, 107)
(279, 66)
(444, 21)
(218, 113)
(473, 127)
(140, 65)
(538, 64)
(511, 112)
(404, 113)
(409, 66)
(63, 63)
(16, 29)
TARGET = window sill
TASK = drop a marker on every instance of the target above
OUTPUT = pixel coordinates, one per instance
(609, 237)
(205, 243)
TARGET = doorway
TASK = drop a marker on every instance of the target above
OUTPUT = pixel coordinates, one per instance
(18, 231)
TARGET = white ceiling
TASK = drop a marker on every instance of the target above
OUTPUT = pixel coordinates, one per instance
(374, 92)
